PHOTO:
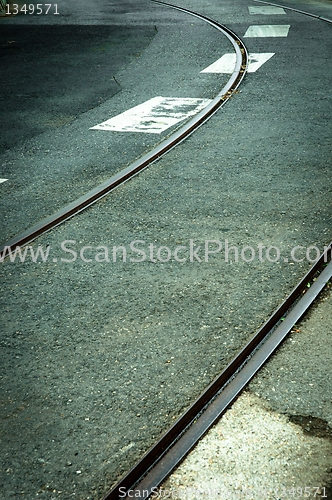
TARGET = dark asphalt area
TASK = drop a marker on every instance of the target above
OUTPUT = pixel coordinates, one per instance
(99, 358)
(52, 74)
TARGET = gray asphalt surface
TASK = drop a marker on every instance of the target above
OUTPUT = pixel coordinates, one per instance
(100, 357)
(77, 72)
(275, 440)
(295, 382)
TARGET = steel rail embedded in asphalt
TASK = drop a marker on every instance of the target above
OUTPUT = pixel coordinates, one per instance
(162, 458)
(127, 173)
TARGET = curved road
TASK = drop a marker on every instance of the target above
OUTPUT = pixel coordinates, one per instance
(99, 355)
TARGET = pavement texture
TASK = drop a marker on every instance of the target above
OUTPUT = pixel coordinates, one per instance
(82, 76)
(276, 440)
(101, 353)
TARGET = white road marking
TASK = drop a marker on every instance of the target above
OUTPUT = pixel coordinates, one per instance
(155, 115)
(3, 180)
(268, 10)
(226, 63)
(267, 30)
(257, 60)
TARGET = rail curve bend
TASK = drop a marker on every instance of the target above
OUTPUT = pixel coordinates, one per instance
(107, 186)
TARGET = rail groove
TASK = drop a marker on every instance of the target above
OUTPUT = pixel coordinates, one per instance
(175, 444)
(137, 166)
(162, 458)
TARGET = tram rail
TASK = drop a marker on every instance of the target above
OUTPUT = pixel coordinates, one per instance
(127, 173)
(156, 465)
(170, 450)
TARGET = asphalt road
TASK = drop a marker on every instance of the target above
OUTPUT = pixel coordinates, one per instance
(100, 357)
(61, 80)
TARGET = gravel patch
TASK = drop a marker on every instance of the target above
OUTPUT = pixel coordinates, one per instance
(252, 453)
(276, 442)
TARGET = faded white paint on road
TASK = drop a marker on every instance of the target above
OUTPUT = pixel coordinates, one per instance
(155, 115)
(257, 60)
(268, 10)
(226, 63)
(273, 30)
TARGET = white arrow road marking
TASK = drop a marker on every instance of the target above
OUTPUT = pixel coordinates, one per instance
(226, 63)
(3, 180)
(267, 30)
(268, 10)
(155, 115)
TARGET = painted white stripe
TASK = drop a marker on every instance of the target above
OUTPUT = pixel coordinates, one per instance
(155, 115)
(226, 63)
(3, 180)
(257, 60)
(268, 10)
(267, 30)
